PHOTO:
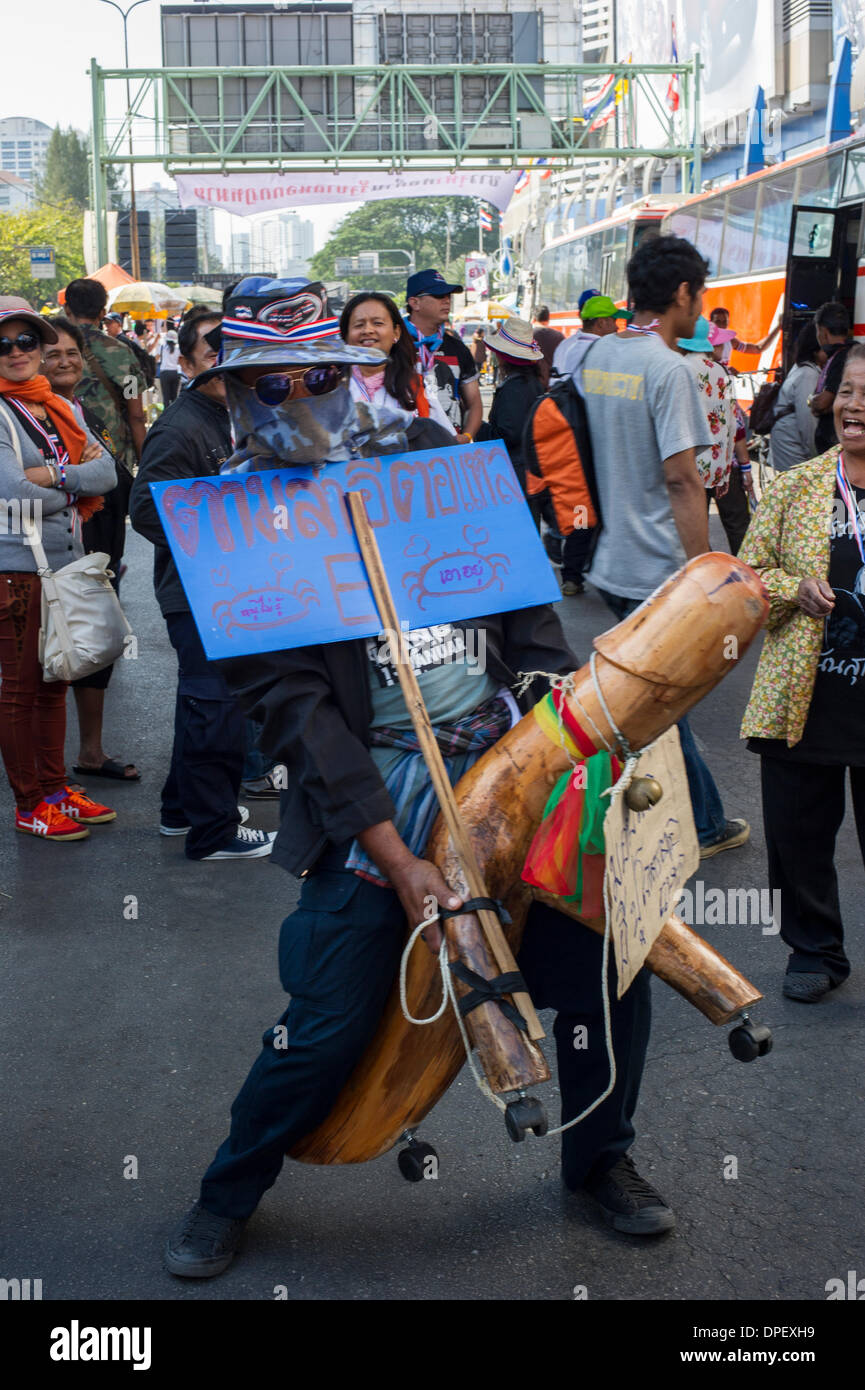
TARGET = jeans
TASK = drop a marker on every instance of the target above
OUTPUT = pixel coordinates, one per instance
(207, 758)
(706, 803)
(338, 957)
(255, 764)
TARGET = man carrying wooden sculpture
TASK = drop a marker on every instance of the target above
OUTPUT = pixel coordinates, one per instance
(359, 807)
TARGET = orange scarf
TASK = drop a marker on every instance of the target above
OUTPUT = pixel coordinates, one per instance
(38, 389)
(65, 421)
(421, 403)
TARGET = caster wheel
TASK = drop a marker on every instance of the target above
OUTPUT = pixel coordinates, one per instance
(413, 1160)
(749, 1041)
(525, 1114)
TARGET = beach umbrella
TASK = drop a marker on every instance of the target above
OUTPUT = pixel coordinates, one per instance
(147, 299)
(201, 294)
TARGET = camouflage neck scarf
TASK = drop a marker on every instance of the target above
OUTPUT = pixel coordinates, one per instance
(317, 429)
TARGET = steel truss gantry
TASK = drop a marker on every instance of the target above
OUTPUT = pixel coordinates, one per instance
(476, 115)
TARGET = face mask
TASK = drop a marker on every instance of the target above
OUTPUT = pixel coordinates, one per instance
(314, 430)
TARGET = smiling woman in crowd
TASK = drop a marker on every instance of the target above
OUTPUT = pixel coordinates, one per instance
(50, 463)
(806, 715)
(372, 320)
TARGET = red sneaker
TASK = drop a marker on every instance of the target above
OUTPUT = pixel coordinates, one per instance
(80, 807)
(49, 822)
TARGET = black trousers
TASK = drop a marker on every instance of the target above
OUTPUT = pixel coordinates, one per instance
(169, 385)
(207, 758)
(733, 510)
(575, 548)
(338, 956)
(803, 807)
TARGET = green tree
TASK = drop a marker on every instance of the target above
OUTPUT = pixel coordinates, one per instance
(60, 227)
(416, 225)
(66, 173)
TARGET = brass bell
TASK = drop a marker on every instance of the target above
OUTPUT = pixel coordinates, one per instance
(643, 792)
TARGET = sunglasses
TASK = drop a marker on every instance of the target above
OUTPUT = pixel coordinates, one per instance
(25, 342)
(277, 387)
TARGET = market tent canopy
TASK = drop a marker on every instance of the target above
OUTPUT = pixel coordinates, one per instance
(147, 299)
(109, 275)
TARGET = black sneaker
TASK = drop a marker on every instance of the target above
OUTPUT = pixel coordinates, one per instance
(735, 832)
(203, 1245)
(806, 985)
(630, 1203)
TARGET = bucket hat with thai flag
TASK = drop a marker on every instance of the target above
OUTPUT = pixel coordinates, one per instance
(280, 323)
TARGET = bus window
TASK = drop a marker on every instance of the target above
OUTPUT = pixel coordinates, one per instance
(739, 234)
(854, 175)
(560, 294)
(615, 259)
(819, 182)
(773, 222)
(594, 253)
(681, 223)
(653, 225)
(546, 279)
(710, 232)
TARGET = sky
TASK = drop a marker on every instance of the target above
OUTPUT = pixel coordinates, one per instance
(53, 83)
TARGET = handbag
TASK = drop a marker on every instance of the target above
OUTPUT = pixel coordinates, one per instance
(83, 628)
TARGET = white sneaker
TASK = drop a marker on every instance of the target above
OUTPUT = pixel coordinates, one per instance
(247, 844)
(243, 811)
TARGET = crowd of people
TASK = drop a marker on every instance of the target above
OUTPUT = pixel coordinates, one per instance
(356, 803)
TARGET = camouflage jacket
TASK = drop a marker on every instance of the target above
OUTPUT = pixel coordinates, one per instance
(120, 366)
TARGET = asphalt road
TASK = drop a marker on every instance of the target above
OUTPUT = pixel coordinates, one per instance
(127, 1037)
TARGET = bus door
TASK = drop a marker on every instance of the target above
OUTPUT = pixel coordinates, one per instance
(813, 268)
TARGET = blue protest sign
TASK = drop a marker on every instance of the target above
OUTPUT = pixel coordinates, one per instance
(270, 560)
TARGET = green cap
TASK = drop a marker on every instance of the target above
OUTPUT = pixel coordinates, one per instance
(602, 307)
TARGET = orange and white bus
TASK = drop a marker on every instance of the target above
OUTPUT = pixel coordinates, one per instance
(780, 243)
(594, 257)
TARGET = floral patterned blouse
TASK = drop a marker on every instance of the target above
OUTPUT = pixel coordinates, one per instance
(715, 390)
(788, 540)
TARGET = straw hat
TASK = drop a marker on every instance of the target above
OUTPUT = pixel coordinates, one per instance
(515, 338)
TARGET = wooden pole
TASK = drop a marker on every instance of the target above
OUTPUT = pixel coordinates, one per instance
(432, 755)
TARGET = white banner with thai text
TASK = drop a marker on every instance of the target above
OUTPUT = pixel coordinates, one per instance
(249, 193)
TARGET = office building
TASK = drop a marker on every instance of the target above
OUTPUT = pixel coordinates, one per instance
(23, 142)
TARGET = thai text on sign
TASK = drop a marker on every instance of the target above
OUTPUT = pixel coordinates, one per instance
(269, 560)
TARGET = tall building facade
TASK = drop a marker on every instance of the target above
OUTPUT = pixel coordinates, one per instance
(23, 142)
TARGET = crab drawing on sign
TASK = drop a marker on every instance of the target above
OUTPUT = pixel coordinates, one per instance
(456, 571)
(272, 605)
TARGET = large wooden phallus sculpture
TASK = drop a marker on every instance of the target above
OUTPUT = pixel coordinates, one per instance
(652, 668)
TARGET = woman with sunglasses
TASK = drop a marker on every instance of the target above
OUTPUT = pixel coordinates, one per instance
(62, 470)
(372, 320)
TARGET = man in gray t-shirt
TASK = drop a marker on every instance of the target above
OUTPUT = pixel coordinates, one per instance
(643, 409)
(646, 425)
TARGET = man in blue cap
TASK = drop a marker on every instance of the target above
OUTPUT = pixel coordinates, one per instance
(447, 366)
(358, 808)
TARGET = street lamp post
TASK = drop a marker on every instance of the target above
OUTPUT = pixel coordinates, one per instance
(133, 214)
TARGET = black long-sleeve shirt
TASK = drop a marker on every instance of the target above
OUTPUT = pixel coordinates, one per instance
(191, 439)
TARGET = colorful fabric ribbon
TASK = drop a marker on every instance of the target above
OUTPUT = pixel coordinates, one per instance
(566, 856)
(252, 331)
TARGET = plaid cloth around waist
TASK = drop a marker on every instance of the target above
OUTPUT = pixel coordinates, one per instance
(416, 804)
